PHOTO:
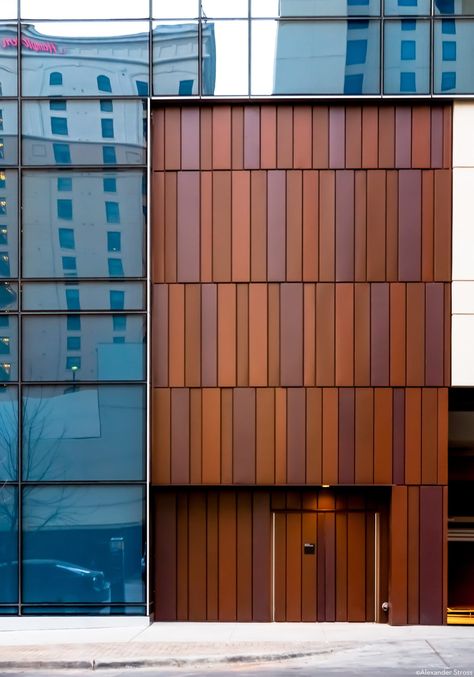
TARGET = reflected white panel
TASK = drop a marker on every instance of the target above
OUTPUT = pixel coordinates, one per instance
(463, 224)
(462, 297)
(264, 37)
(231, 58)
(177, 9)
(8, 9)
(462, 350)
(229, 9)
(463, 134)
(85, 9)
(265, 8)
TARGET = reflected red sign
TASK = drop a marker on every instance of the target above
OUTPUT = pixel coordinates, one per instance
(34, 45)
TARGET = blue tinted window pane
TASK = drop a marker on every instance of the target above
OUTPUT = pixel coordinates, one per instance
(69, 263)
(8, 223)
(107, 128)
(115, 268)
(62, 153)
(448, 27)
(108, 155)
(117, 300)
(400, 77)
(73, 364)
(90, 610)
(8, 60)
(55, 79)
(64, 209)
(112, 212)
(73, 323)
(110, 185)
(119, 322)
(59, 126)
(9, 545)
(63, 296)
(142, 88)
(8, 296)
(106, 105)
(45, 349)
(64, 184)
(8, 129)
(323, 8)
(183, 38)
(453, 59)
(356, 52)
(66, 238)
(353, 84)
(465, 7)
(103, 83)
(113, 241)
(186, 87)
(83, 544)
(420, 7)
(72, 300)
(73, 342)
(57, 104)
(448, 81)
(8, 440)
(9, 354)
(449, 50)
(408, 25)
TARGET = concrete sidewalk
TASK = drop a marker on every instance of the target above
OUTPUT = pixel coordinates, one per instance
(186, 644)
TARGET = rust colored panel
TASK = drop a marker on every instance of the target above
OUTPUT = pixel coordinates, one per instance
(321, 568)
(309, 348)
(209, 334)
(413, 554)
(309, 570)
(344, 226)
(392, 227)
(227, 557)
(227, 437)
(386, 137)
(237, 137)
(356, 566)
(370, 137)
(337, 137)
(158, 226)
(160, 335)
(268, 137)
(176, 338)
(314, 431)
(325, 339)
(429, 430)
(353, 137)
(240, 226)
(442, 226)
(258, 322)
(344, 334)
(330, 566)
(258, 226)
(434, 343)
(346, 435)
(222, 136)
(251, 137)
(158, 139)
(291, 334)
(431, 556)
(341, 562)
(279, 567)
(180, 436)
(421, 139)
(310, 225)
(221, 230)
(447, 136)
(261, 554)
(397, 334)
(383, 422)
(364, 436)
(398, 556)
(327, 189)
(361, 334)
(211, 428)
(436, 137)
(244, 556)
(403, 137)
(182, 557)
(302, 142)
(206, 226)
(274, 334)
(413, 436)
(190, 138)
(196, 436)
(193, 335)
(284, 137)
(415, 334)
(330, 435)
(296, 435)
(161, 436)
(427, 230)
(206, 138)
(188, 227)
(165, 556)
(447, 334)
(376, 205)
(265, 436)
(442, 437)
(244, 435)
(276, 237)
(172, 138)
(320, 137)
(380, 335)
(212, 557)
(294, 226)
(226, 323)
(360, 227)
(242, 334)
(409, 224)
(197, 557)
(398, 436)
(280, 436)
(294, 548)
(170, 226)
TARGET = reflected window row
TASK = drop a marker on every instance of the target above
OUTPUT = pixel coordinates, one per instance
(81, 545)
(211, 58)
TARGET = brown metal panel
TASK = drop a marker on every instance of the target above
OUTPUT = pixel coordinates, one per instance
(206, 226)
(434, 343)
(413, 555)
(182, 557)
(429, 430)
(361, 334)
(309, 328)
(279, 573)
(261, 557)
(164, 518)
(244, 556)
(314, 431)
(160, 335)
(399, 556)
(296, 435)
(386, 137)
(291, 334)
(327, 189)
(265, 436)
(398, 334)
(447, 334)
(227, 556)
(442, 225)
(197, 599)
(268, 137)
(413, 436)
(206, 138)
(294, 226)
(310, 225)
(196, 436)
(284, 137)
(309, 570)
(188, 227)
(180, 436)
(370, 140)
(436, 137)
(242, 335)
(158, 139)
(330, 435)
(244, 435)
(190, 155)
(176, 338)
(398, 436)
(226, 324)
(337, 137)
(281, 456)
(346, 435)
(193, 335)
(447, 136)
(258, 226)
(325, 339)
(221, 230)
(170, 226)
(344, 336)
(370, 567)
(383, 425)
(431, 556)
(211, 428)
(276, 235)
(274, 334)
(294, 549)
(341, 567)
(222, 137)
(344, 226)
(209, 334)
(392, 226)
(212, 556)
(360, 227)
(258, 323)
(172, 138)
(320, 137)
(237, 113)
(403, 137)
(356, 566)
(376, 206)
(321, 568)
(252, 137)
(158, 227)
(353, 137)
(240, 226)
(364, 436)
(380, 335)
(421, 137)
(330, 565)
(227, 436)
(161, 436)
(409, 224)
(442, 436)
(415, 334)
(427, 222)
(302, 142)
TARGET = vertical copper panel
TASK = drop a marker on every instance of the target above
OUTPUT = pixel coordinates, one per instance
(195, 442)
(182, 551)
(258, 226)
(294, 226)
(227, 438)
(434, 343)
(431, 555)
(158, 137)
(380, 335)
(296, 429)
(258, 322)
(237, 123)
(376, 251)
(281, 458)
(346, 436)
(206, 137)
(364, 436)
(209, 334)
(337, 137)
(427, 230)
(293, 566)
(415, 334)
(442, 225)
(172, 138)
(268, 137)
(302, 142)
(399, 556)
(398, 334)
(344, 226)
(197, 606)
(398, 436)
(360, 227)
(330, 436)
(212, 537)
(206, 227)
(180, 436)
(370, 137)
(413, 554)
(361, 334)
(193, 335)
(310, 226)
(176, 336)
(221, 227)
(284, 137)
(341, 566)
(190, 155)
(240, 226)
(226, 327)
(413, 436)
(188, 227)
(309, 328)
(171, 226)
(161, 437)
(344, 338)
(321, 137)
(291, 333)
(409, 223)
(157, 227)
(309, 569)
(244, 436)
(383, 422)
(429, 434)
(251, 137)
(314, 441)
(244, 556)
(442, 436)
(353, 137)
(160, 335)
(221, 132)
(265, 436)
(403, 137)
(327, 187)
(436, 137)
(421, 139)
(276, 240)
(242, 335)
(227, 557)
(356, 565)
(386, 136)
(211, 470)
(325, 338)
(261, 539)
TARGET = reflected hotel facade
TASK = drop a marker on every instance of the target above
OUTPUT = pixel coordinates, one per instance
(235, 310)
